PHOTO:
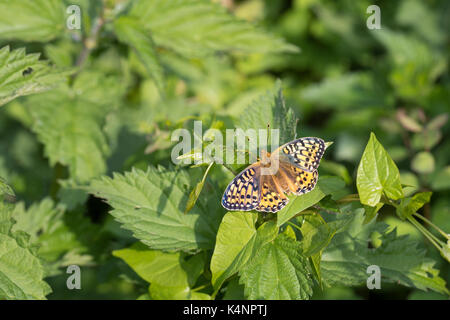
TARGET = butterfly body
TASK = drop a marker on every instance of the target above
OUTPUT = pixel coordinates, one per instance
(264, 187)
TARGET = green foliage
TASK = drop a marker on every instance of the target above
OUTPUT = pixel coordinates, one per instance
(151, 204)
(40, 20)
(87, 174)
(199, 27)
(18, 258)
(22, 74)
(290, 280)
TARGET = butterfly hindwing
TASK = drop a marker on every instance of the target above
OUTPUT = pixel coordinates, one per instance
(273, 198)
(243, 192)
(303, 153)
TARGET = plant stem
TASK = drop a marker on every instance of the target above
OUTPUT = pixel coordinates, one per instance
(432, 224)
(436, 242)
(91, 41)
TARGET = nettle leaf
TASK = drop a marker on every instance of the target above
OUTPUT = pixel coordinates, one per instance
(377, 174)
(410, 205)
(346, 258)
(21, 271)
(151, 204)
(37, 20)
(278, 271)
(171, 275)
(53, 230)
(22, 74)
(69, 120)
(237, 242)
(199, 27)
(270, 110)
(324, 187)
(133, 33)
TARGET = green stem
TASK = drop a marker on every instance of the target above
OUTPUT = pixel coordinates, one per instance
(436, 242)
(432, 224)
(206, 172)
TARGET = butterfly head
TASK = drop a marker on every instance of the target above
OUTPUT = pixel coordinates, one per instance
(265, 158)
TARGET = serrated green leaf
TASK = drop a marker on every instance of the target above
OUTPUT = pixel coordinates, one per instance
(53, 230)
(324, 187)
(316, 234)
(199, 27)
(237, 242)
(151, 204)
(22, 74)
(21, 272)
(132, 33)
(270, 110)
(345, 260)
(377, 174)
(37, 20)
(278, 271)
(69, 120)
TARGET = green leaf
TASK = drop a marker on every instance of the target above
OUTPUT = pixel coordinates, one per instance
(23, 74)
(377, 174)
(270, 109)
(151, 204)
(324, 187)
(21, 272)
(410, 205)
(132, 33)
(69, 121)
(54, 231)
(157, 267)
(371, 212)
(345, 260)
(237, 242)
(195, 193)
(278, 271)
(171, 275)
(37, 20)
(423, 162)
(199, 27)
(316, 234)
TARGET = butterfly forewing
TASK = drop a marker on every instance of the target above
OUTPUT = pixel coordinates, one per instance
(243, 192)
(304, 153)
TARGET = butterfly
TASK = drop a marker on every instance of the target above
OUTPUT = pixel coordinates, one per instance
(298, 161)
